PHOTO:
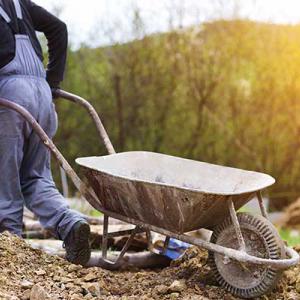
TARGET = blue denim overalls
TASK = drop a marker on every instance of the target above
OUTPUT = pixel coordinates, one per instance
(25, 174)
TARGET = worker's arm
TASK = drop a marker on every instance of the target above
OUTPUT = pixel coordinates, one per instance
(57, 36)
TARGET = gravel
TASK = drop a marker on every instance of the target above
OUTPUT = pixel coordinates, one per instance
(30, 274)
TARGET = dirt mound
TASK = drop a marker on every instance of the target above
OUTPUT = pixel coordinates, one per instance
(31, 274)
(291, 216)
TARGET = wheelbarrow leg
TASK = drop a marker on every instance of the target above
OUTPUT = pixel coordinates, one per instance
(118, 262)
(105, 236)
(261, 205)
(151, 245)
(149, 239)
(127, 244)
(166, 245)
(236, 225)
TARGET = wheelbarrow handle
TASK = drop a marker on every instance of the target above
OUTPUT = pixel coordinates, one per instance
(94, 115)
(85, 190)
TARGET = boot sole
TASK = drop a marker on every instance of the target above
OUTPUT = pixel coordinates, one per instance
(82, 235)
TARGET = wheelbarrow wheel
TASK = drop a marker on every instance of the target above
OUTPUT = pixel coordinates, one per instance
(262, 240)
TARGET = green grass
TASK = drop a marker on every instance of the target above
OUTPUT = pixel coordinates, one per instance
(95, 213)
(244, 209)
(292, 237)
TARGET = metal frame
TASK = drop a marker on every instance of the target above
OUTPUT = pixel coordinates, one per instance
(236, 225)
(263, 209)
(88, 193)
(94, 115)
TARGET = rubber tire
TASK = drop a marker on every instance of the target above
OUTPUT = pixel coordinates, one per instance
(273, 244)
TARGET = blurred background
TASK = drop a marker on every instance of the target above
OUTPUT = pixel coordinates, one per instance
(211, 80)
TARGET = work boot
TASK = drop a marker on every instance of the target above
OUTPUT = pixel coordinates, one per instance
(78, 250)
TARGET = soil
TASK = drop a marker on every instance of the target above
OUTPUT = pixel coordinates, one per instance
(26, 273)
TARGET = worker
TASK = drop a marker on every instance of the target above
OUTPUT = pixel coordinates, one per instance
(25, 174)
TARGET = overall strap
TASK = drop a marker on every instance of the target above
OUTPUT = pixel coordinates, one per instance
(4, 15)
(18, 9)
(8, 20)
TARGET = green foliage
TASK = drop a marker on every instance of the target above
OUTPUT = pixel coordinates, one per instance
(292, 237)
(226, 92)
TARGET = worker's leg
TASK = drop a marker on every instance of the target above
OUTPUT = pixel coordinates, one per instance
(39, 191)
(11, 155)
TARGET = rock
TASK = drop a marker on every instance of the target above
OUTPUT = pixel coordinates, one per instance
(228, 297)
(76, 297)
(73, 268)
(290, 277)
(177, 286)
(70, 286)
(195, 297)
(90, 277)
(38, 293)
(174, 295)
(66, 280)
(88, 297)
(26, 295)
(25, 284)
(93, 289)
(292, 296)
(3, 280)
(161, 289)
(298, 286)
(56, 278)
(40, 272)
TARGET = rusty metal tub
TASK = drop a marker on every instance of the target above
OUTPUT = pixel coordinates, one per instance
(173, 193)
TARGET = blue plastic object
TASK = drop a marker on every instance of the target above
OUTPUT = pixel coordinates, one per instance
(176, 248)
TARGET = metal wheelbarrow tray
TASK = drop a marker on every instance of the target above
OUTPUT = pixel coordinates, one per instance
(171, 196)
(176, 194)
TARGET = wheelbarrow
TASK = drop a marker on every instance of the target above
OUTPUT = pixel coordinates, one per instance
(173, 196)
